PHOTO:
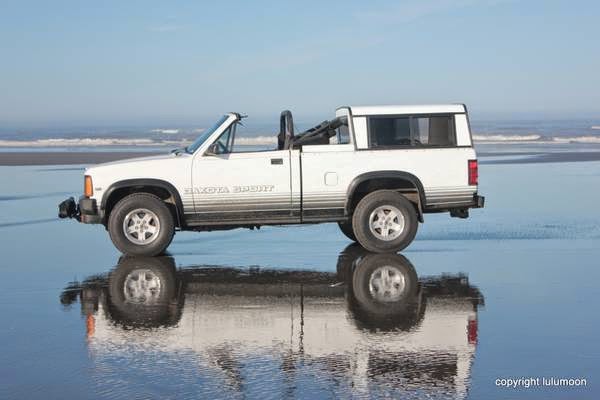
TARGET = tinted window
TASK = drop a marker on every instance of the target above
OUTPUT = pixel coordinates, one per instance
(392, 131)
(411, 131)
(434, 131)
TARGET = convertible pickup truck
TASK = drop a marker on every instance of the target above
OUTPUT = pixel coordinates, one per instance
(374, 170)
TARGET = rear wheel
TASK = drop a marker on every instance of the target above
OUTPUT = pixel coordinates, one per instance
(141, 225)
(346, 228)
(385, 294)
(385, 221)
(382, 283)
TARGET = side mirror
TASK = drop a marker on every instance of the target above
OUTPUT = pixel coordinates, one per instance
(212, 150)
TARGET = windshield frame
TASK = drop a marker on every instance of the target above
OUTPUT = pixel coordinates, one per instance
(205, 135)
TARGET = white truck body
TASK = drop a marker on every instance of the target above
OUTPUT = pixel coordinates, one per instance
(319, 178)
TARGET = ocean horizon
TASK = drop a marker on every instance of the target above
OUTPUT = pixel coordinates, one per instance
(542, 131)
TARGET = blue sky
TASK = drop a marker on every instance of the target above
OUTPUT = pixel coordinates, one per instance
(132, 62)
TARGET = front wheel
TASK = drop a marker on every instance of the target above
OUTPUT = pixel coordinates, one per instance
(141, 225)
(385, 221)
(143, 292)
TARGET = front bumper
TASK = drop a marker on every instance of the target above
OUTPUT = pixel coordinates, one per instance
(85, 211)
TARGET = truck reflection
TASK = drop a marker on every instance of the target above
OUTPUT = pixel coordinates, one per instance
(372, 326)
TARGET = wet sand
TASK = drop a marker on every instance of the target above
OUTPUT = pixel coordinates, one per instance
(540, 157)
(275, 312)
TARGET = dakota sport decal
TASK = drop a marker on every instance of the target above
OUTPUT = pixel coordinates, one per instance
(232, 189)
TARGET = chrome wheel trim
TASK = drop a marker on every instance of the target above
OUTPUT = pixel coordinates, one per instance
(387, 284)
(141, 226)
(386, 223)
(142, 286)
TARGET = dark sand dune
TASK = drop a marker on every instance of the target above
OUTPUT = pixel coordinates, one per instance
(551, 157)
(66, 157)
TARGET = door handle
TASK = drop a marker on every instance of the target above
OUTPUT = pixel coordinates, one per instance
(276, 161)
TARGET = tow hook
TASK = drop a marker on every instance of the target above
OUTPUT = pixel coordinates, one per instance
(68, 209)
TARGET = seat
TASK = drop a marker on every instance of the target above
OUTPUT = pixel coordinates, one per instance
(286, 130)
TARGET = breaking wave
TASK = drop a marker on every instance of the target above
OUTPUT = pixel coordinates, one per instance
(577, 139)
(166, 131)
(255, 141)
(506, 138)
(269, 141)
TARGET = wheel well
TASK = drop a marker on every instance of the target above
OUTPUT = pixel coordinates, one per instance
(405, 186)
(118, 194)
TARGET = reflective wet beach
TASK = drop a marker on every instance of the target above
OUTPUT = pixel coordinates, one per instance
(295, 312)
(370, 328)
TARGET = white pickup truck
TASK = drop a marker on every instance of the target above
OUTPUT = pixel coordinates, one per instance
(374, 170)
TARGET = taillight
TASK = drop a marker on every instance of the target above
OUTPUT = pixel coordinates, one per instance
(472, 330)
(88, 190)
(473, 174)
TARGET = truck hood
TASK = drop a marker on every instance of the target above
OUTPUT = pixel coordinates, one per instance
(158, 157)
(159, 166)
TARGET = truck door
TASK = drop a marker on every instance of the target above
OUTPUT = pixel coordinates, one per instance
(238, 188)
(327, 170)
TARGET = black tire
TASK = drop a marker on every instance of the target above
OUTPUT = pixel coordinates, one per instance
(141, 201)
(159, 306)
(346, 228)
(396, 305)
(362, 218)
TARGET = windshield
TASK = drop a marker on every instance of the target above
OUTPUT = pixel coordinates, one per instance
(205, 135)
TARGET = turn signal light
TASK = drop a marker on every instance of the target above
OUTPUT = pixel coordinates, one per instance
(88, 190)
(473, 173)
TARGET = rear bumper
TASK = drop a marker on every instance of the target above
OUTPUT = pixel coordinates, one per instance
(463, 211)
(86, 210)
